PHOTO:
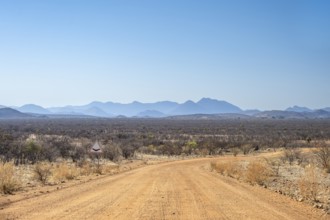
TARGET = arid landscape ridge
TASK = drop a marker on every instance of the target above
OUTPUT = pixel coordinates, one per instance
(206, 107)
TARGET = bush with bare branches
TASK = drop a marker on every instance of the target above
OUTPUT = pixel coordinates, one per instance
(42, 172)
(323, 155)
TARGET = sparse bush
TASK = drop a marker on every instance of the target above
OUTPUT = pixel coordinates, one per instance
(219, 167)
(233, 170)
(258, 173)
(86, 168)
(98, 169)
(42, 172)
(308, 184)
(230, 169)
(292, 154)
(323, 156)
(65, 172)
(8, 182)
(110, 168)
(274, 164)
(113, 152)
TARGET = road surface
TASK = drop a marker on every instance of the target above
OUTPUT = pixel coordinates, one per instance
(175, 190)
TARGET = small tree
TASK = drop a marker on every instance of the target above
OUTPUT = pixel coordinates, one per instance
(32, 151)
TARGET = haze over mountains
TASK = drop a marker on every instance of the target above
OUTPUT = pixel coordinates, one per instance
(205, 107)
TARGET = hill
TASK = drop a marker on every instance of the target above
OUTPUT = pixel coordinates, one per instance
(31, 108)
(275, 114)
(9, 113)
(157, 109)
(150, 114)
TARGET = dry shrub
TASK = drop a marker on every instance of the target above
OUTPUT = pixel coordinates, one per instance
(63, 171)
(86, 168)
(110, 168)
(218, 167)
(42, 172)
(258, 173)
(323, 155)
(308, 184)
(8, 182)
(231, 169)
(98, 169)
(274, 164)
(292, 154)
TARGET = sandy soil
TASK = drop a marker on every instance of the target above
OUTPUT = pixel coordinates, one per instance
(174, 190)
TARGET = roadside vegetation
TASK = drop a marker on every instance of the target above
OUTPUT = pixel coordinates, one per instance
(299, 173)
(53, 151)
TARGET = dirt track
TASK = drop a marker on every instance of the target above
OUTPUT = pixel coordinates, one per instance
(176, 190)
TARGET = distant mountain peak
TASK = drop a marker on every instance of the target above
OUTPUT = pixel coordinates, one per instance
(32, 108)
(189, 102)
(215, 106)
(207, 100)
(296, 108)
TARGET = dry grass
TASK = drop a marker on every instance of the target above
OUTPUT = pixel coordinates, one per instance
(292, 154)
(230, 169)
(86, 168)
(235, 151)
(8, 182)
(258, 173)
(42, 172)
(308, 184)
(98, 169)
(110, 169)
(63, 171)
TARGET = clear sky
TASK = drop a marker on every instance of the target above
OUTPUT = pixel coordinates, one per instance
(266, 54)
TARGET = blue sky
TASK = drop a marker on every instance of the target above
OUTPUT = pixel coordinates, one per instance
(256, 54)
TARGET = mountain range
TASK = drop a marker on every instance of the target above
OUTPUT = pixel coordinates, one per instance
(203, 108)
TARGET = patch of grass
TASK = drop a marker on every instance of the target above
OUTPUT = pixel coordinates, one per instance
(63, 171)
(110, 168)
(258, 173)
(8, 182)
(230, 169)
(235, 151)
(274, 164)
(308, 184)
(86, 168)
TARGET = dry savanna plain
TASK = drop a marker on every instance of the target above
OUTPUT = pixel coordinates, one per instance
(165, 169)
